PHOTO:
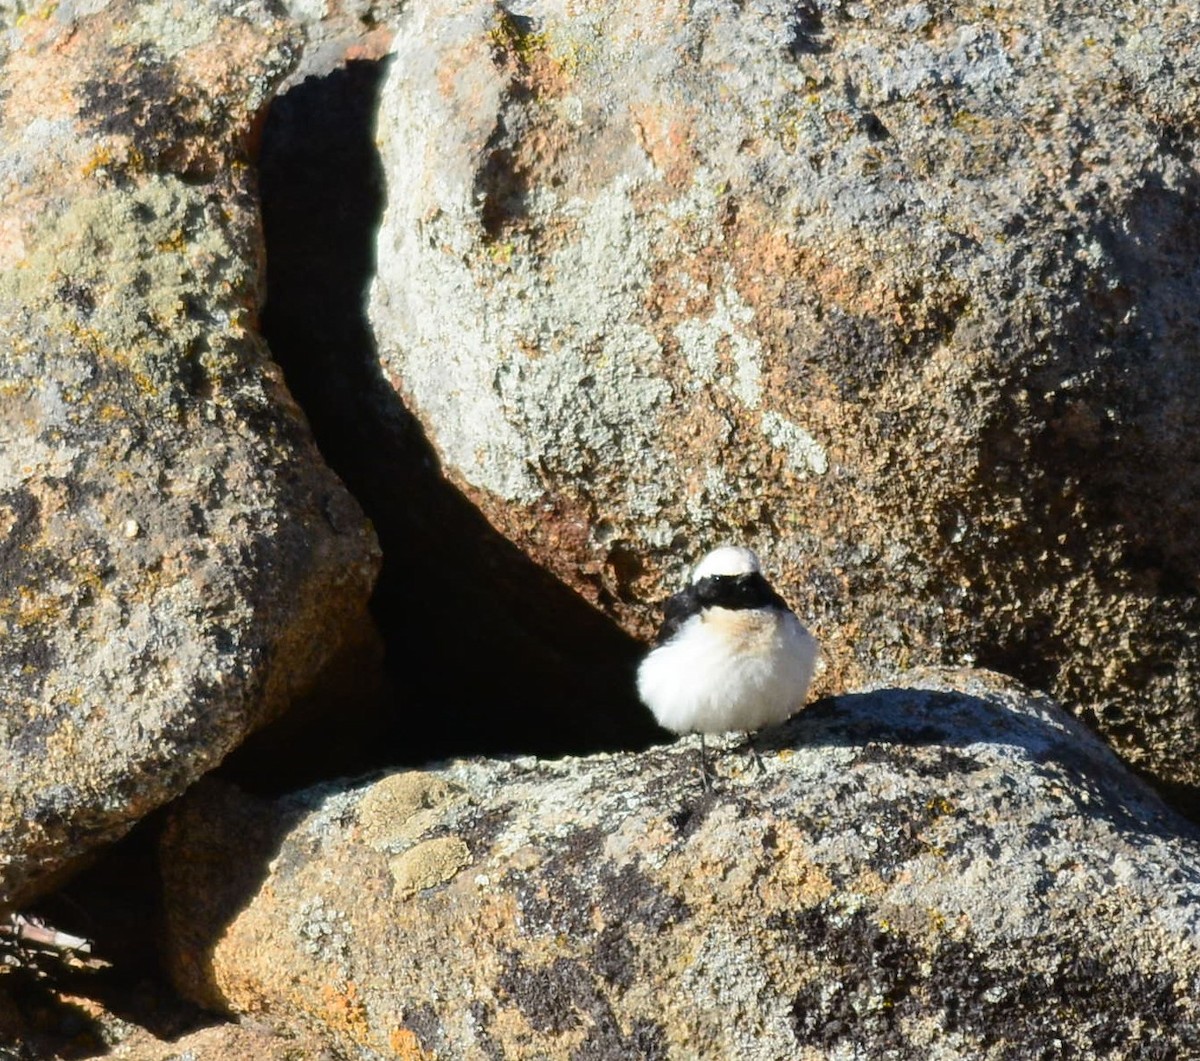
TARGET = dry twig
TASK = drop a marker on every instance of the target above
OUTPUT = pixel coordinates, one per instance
(33, 932)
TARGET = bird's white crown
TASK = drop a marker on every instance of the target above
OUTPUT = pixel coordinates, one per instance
(727, 560)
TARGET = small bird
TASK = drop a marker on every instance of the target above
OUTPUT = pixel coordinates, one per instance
(730, 654)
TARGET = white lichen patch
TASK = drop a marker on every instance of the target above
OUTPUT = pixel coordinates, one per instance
(31, 457)
(725, 332)
(171, 27)
(322, 931)
(587, 409)
(697, 205)
(727, 975)
(699, 346)
(599, 278)
(804, 453)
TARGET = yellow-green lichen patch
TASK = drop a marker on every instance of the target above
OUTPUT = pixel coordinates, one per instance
(122, 276)
(427, 865)
(551, 54)
(401, 806)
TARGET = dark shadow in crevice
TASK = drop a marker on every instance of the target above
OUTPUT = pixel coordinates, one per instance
(116, 904)
(485, 652)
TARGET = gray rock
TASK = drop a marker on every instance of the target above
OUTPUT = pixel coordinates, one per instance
(176, 563)
(905, 297)
(338, 31)
(950, 868)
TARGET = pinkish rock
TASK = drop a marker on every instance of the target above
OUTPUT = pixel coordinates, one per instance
(904, 296)
(176, 562)
(951, 868)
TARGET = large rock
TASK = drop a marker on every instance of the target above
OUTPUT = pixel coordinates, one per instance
(176, 563)
(952, 868)
(906, 296)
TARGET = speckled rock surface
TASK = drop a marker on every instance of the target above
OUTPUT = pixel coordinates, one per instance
(952, 868)
(176, 563)
(904, 295)
(220, 1042)
(338, 31)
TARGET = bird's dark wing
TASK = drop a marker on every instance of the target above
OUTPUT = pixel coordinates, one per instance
(677, 611)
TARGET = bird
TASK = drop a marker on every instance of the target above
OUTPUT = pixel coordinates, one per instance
(730, 654)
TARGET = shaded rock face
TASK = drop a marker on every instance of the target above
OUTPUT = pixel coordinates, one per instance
(75, 1024)
(487, 652)
(176, 563)
(951, 868)
(905, 299)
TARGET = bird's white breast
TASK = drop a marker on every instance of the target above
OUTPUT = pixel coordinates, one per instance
(729, 669)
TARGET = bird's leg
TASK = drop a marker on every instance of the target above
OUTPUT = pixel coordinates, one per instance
(758, 759)
(706, 777)
(751, 742)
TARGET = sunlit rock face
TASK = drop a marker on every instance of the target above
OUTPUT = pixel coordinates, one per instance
(176, 562)
(949, 867)
(905, 298)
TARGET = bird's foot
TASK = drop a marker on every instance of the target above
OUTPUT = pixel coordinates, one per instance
(751, 745)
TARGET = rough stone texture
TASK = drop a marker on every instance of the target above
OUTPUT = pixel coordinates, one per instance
(176, 563)
(220, 1042)
(337, 32)
(67, 1024)
(951, 868)
(904, 295)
